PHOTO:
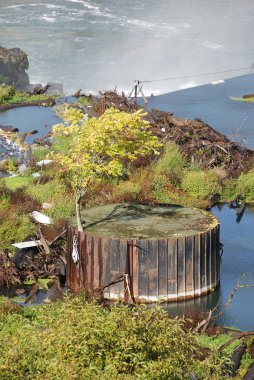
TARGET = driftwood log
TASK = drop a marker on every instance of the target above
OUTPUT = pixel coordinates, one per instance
(248, 96)
(9, 128)
(236, 358)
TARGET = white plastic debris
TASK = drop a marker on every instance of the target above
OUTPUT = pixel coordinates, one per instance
(163, 130)
(44, 162)
(27, 244)
(35, 175)
(41, 218)
(75, 255)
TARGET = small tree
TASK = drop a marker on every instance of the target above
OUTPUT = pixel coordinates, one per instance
(101, 147)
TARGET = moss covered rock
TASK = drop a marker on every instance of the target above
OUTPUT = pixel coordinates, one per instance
(13, 66)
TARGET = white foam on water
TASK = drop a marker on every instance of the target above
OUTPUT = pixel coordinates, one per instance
(218, 82)
(85, 3)
(212, 45)
(47, 18)
(188, 85)
(16, 7)
(52, 6)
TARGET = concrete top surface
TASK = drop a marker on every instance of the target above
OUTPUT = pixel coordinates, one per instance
(135, 221)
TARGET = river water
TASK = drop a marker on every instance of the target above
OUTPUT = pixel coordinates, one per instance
(100, 44)
(237, 264)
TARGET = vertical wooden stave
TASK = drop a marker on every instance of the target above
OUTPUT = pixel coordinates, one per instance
(143, 272)
(181, 267)
(162, 268)
(189, 265)
(152, 269)
(203, 261)
(172, 268)
(197, 266)
(160, 261)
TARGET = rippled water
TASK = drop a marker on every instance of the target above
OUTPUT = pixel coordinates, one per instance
(237, 264)
(99, 44)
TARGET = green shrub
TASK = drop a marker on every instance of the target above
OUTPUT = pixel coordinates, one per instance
(171, 164)
(245, 185)
(40, 153)
(61, 144)
(46, 192)
(74, 339)
(6, 93)
(13, 228)
(229, 189)
(201, 184)
(14, 183)
(63, 207)
(4, 201)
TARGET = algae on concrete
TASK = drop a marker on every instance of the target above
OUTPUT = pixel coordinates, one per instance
(136, 221)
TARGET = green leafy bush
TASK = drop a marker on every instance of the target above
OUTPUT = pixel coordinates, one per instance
(74, 339)
(6, 93)
(63, 207)
(245, 185)
(40, 153)
(171, 164)
(14, 183)
(13, 228)
(46, 192)
(4, 200)
(201, 184)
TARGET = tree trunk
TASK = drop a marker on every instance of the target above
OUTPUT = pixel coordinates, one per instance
(78, 213)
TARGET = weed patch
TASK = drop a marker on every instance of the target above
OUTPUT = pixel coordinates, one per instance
(76, 339)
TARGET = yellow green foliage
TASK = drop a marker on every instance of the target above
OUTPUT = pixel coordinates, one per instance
(201, 183)
(102, 147)
(55, 193)
(14, 183)
(74, 339)
(245, 185)
(171, 164)
(6, 93)
(13, 228)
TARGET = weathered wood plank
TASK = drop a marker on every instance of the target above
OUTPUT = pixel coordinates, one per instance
(162, 268)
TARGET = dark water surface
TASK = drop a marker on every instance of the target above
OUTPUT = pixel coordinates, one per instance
(29, 119)
(237, 264)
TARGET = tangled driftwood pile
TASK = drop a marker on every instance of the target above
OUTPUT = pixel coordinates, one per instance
(113, 99)
(198, 142)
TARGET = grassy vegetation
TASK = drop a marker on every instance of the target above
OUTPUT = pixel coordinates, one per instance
(13, 183)
(9, 95)
(75, 339)
(248, 100)
(170, 179)
(23, 194)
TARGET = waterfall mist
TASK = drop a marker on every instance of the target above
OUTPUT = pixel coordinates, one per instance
(97, 45)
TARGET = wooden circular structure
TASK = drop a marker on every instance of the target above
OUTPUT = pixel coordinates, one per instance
(150, 254)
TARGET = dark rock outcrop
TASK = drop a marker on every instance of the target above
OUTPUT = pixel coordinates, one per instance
(13, 66)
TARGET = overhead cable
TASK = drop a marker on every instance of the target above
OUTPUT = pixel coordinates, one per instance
(194, 76)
